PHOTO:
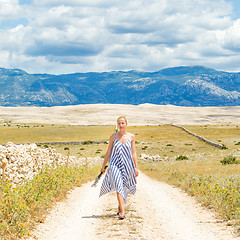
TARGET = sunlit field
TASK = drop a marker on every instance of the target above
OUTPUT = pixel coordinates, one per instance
(33, 133)
(163, 140)
(166, 141)
(183, 161)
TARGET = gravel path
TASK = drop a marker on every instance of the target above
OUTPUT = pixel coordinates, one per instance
(157, 211)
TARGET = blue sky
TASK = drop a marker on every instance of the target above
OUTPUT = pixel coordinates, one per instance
(235, 8)
(65, 36)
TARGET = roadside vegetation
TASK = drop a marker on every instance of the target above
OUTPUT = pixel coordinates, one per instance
(203, 171)
(209, 174)
(24, 205)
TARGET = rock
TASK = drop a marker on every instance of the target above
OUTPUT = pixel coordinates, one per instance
(146, 158)
(22, 162)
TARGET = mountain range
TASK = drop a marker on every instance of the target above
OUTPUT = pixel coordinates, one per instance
(182, 86)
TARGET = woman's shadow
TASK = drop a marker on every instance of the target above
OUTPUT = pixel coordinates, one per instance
(101, 216)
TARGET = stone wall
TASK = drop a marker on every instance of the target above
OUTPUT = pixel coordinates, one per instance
(22, 162)
(200, 138)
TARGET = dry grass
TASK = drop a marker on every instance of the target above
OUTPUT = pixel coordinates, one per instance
(24, 205)
(164, 140)
(224, 134)
(198, 175)
(28, 133)
(203, 176)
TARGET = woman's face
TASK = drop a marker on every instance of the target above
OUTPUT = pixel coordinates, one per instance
(122, 123)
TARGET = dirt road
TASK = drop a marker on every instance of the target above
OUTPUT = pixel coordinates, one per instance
(157, 211)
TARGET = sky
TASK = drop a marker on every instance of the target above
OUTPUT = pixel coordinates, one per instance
(67, 36)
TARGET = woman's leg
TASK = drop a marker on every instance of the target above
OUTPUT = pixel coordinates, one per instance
(120, 205)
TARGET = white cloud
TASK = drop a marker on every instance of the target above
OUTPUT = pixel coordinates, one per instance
(232, 37)
(9, 9)
(102, 35)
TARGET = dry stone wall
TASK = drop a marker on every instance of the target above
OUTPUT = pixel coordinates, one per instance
(199, 137)
(22, 162)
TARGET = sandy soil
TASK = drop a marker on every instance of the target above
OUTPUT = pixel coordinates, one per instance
(156, 211)
(106, 114)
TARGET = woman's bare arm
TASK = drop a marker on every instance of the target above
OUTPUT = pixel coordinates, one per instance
(134, 155)
(108, 153)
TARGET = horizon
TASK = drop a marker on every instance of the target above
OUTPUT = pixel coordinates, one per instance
(131, 70)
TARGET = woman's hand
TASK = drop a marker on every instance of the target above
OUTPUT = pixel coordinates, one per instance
(103, 169)
(136, 172)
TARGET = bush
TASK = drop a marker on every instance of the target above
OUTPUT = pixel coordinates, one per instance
(229, 160)
(181, 157)
(224, 147)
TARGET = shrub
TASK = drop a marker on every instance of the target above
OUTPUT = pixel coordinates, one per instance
(144, 148)
(169, 145)
(224, 147)
(181, 157)
(229, 160)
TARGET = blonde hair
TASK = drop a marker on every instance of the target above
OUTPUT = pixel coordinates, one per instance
(122, 116)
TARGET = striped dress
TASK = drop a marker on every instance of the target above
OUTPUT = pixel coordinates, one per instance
(120, 176)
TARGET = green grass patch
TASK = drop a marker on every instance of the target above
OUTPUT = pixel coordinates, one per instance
(181, 157)
(230, 160)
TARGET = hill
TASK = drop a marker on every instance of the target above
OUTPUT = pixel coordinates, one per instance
(182, 86)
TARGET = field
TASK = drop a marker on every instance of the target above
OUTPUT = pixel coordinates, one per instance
(201, 173)
(164, 140)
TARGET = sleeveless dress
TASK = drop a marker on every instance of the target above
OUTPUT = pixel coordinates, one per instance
(120, 176)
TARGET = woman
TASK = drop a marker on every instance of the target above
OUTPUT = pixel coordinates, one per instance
(122, 172)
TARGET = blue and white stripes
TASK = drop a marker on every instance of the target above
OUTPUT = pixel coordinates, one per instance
(120, 176)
